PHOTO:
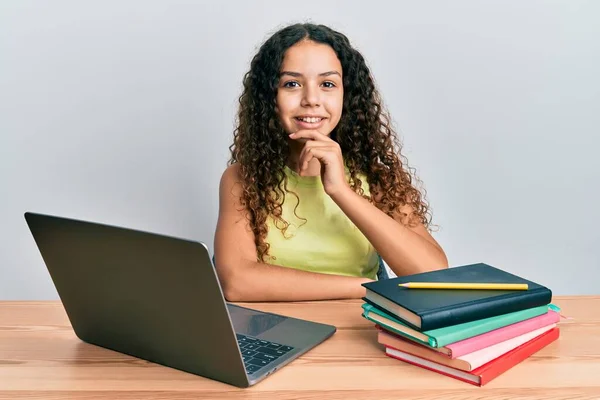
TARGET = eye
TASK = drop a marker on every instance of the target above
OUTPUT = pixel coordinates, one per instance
(329, 84)
(289, 83)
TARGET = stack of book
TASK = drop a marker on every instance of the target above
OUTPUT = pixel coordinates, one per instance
(471, 335)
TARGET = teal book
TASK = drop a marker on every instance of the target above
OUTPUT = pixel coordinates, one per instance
(438, 338)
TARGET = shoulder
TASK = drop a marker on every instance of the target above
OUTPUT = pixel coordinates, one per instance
(231, 181)
(231, 173)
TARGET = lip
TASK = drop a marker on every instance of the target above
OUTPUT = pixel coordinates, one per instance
(310, 125)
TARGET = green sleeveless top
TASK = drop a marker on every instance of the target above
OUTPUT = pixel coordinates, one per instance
(320, 237)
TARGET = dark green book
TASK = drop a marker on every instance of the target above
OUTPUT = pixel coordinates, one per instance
(426, 309)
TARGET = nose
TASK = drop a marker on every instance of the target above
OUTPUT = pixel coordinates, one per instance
(311, 96)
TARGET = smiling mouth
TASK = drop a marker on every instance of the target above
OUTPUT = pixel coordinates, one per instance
(310, 120)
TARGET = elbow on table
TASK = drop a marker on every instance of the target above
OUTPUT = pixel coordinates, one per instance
(436, 261)
(441, 263)
(237, 292)
(232, 294)
(403, 270)
(232, 285)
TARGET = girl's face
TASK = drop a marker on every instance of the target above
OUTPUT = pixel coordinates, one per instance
(310, 93)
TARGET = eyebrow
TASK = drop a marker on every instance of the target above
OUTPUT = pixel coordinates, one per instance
(299, 75)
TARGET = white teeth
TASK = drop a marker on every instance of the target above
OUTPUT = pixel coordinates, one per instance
(311, 120)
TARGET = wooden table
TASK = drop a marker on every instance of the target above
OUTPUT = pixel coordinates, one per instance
(41, 358)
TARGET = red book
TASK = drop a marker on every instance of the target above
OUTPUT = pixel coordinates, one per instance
(482, 375)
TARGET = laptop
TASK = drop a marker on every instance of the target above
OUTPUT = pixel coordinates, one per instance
(158, 298)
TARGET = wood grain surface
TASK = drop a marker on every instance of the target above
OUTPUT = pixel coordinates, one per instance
(41, 358)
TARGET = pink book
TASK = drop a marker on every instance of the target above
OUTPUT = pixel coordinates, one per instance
(486, 372)
(467, 362)
(458, 349)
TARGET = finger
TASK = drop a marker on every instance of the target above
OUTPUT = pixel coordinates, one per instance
(330, 146)
(317, 143)
(325, 154)
(313, 145)
(305, 157)
(309, 134)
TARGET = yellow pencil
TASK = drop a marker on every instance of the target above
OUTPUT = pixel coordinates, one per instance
(454, 285)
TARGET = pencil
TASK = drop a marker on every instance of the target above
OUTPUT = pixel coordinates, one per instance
(455, 285)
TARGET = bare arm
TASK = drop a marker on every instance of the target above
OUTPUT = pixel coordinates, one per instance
(243, 278)
(407, 250)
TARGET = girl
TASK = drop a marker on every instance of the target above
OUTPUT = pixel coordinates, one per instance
(315, 192)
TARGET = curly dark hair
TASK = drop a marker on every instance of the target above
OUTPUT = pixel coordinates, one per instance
(364, 133)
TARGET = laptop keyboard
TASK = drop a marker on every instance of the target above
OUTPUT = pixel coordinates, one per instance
(258, 353)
